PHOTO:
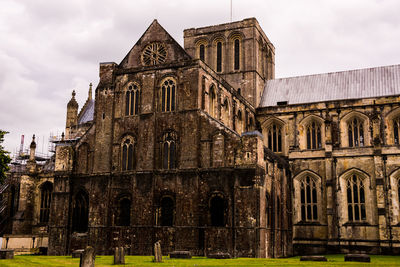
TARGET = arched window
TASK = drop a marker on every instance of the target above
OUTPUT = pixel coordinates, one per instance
(217, 211)
(124, 212)
(169, 151)
(219, 56)
(275, 138)
(167, 211)
(314, 135)
(356, 132)
(225, 109)
(132, 100)
(396, 130)
(355, 199)
(128, 154)
(309, 201)
(80, 213)
(168, 88)
(201, 52)
(213, 101)
(45, 200)
(236, 54)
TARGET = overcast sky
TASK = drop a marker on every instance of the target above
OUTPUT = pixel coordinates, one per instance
(48, 48)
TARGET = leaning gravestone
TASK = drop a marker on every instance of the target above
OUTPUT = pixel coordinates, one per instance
(6, 254)
(119, 255)
(357, 257)
(87, 257)
(313, 258)
(157, 252)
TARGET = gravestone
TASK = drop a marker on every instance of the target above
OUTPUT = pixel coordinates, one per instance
(6, 254)
(87, 257)
(77, 253)
(180, 254)
(219, 255)
(313, 258)
(119, 255)
(157, 252)
(357, 257)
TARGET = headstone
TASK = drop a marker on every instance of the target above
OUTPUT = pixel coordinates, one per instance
(87, 257)
(157, 252)
(180, 254)
(77, 253)
(313, 258)
(119, 255)
(6, 254)
(357, 257)
(219, 255)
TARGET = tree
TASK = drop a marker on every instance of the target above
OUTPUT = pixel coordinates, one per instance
(4, 158)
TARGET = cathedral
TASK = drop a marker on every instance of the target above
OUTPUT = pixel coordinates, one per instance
(201, 148)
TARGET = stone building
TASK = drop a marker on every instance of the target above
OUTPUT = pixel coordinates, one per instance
(202, 148)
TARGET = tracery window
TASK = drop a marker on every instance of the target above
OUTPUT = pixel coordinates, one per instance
(219, 56)
(309, 201)
(314, 135)
(355, 199)
(169, 151)
(45, 200)
(128, 154)
(213, 101)
(132, 100)
(217, 211)
(396, 130)
(167, 211)
(236, 54)
(80, 214)
(168, 88)
(123, 217)
(355, 132)
(275, 138)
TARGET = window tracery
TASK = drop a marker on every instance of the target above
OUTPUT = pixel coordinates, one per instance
(355, 199)
(168, 93)
(314, 135)
(169, 151)
(132, 100)
(80, 216)
(128, 153)
(355, 132)
(309, 199)
(275, 137)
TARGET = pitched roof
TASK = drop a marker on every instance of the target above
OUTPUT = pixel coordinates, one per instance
(87, 112)
(353, 84)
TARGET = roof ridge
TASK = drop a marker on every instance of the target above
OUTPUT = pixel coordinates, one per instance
(336, 72)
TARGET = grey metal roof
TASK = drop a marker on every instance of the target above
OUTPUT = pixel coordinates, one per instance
(88, 113)
(353, 84)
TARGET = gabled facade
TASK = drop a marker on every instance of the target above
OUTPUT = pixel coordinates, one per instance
(171, 154)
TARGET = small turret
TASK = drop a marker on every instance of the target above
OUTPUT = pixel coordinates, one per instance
(32, 150)
(90, 92)
(72, 116)
(31, 165)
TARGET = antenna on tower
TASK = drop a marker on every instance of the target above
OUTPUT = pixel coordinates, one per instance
(231, 10)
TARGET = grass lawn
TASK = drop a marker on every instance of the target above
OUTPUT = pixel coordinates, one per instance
(333, 260)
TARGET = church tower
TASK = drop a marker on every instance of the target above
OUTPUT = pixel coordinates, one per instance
(240, 52)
